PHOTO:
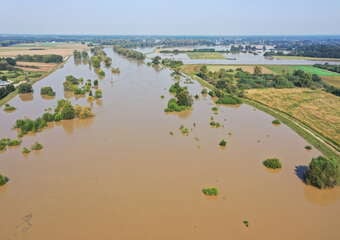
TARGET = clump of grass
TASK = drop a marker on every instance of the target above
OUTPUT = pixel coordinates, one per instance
(37, 146)
(246, 223)
(25, 150)
(210, 191)
(196, 96)
(272, 163)
(162, 96)
(215, 124)
(276, 122)
(223, 143)
(184, 130)
(3, 180)
(214, 109)
(308, 147)
(9, 108)
(171, 133)
(14, 142)
(204, 91)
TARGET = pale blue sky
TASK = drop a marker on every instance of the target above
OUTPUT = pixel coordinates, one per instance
(171, 17)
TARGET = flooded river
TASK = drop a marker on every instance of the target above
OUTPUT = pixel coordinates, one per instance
(121, 175)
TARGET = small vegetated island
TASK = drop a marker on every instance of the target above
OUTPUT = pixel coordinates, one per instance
(323, 173)
(3, 180)
(47, 91)
(272, 163)
(129, 53)
(182, 100)
(212, 191)
(64, 111)
(7, 142)
(9, 108)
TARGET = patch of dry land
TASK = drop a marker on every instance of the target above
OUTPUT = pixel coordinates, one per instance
(315, 108)
(63, 49)
(332, 80)
(36, 66)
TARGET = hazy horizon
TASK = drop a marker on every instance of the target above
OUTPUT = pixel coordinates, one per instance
(171, 18)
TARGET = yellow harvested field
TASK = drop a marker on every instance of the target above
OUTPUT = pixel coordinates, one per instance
(36, 66)
(315, 108)
(63, 49)
(332, 80)
(246, 68)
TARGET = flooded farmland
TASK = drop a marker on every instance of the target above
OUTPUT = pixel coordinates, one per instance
(122, 175)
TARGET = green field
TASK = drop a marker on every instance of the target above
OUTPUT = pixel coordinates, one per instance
(279, 69)
(306, 58)
(205, 55)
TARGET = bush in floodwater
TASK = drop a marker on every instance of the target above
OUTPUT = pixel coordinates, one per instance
(223, 143)
(48, 117)
(308, 147)
(14, 142)
(228, 100)
(204, 91)
(95, 83)
(210, 191)
(246, 223)
(276, 122)
(184, 130)
(3, 180)
(47, 91)
(9, 108)
(174, 107)
(98, 94)
(83, 112)
(323, 173)
(65, 109)
(215, 124)
(28, 125)
(25, 88)
(214, 109)
(272, 163)
(37, 146)
(25, 150)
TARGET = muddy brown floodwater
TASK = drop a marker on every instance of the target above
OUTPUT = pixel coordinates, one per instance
(121, 175)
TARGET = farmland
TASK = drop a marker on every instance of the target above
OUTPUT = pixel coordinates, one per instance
(279, 69)
(315, 108)
(63, 49)
(205, 55)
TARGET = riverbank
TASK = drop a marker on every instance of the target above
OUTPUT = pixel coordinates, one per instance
(15, 93)
(324, 145)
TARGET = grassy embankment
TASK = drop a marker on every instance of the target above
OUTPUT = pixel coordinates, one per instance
(308, 112)
(205, 55)
(306, 58)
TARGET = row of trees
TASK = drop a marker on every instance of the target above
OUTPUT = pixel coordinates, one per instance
(49, 58)
(130, 53)
(182, 101)
(235, 83)
(329, 67)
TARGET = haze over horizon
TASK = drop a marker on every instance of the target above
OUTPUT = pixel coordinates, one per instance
(132, 17)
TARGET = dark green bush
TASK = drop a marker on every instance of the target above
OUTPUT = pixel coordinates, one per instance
(272, 163)
(228, 99)
(223, 143)
(37, 146)
(25, 88)
(210, 191)
(323, 173)
(48, 91)
(276, 122)
(3, 180)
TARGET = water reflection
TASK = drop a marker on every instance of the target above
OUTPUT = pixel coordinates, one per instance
(25, 97)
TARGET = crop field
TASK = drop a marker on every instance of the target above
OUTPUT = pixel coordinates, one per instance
(63, 49)
(315, 108)
(205, 55)
(332, 80)
(279, 69)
